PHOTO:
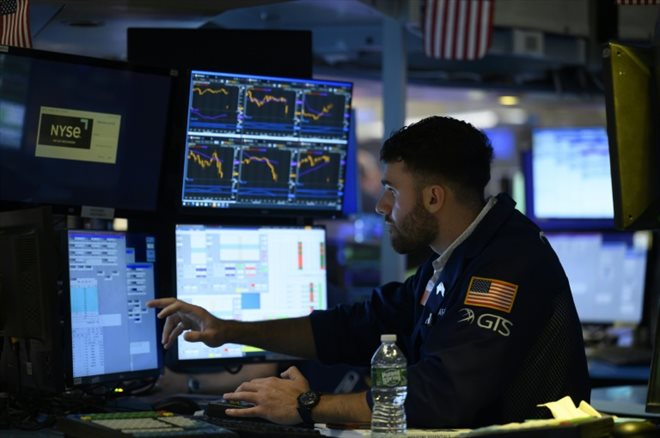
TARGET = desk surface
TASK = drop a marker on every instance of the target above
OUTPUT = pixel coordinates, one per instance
(626, 401)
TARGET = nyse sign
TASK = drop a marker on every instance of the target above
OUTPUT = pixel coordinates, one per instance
(75, 132)
(71, 134)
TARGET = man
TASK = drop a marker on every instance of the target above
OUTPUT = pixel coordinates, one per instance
(488, 324)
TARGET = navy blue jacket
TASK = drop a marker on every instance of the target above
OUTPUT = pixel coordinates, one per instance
(504, 337)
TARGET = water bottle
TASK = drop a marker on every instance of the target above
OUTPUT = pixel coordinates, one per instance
(389, 387)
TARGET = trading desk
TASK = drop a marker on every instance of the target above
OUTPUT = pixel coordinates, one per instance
(625, 400)
(605, 374)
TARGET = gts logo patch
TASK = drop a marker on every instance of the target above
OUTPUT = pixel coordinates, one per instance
(487, 321)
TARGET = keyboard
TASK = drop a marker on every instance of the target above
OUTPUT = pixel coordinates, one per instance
(139, 424)
(255, 428)
(252, 427)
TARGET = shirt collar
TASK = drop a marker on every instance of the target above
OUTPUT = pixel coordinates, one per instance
(439, 263)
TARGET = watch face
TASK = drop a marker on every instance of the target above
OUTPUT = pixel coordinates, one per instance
(308, 399)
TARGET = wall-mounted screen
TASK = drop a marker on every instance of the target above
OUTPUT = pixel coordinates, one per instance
(258, 142)
(568, 180)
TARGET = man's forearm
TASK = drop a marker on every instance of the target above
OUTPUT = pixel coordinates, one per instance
(291, 336)
(342, 408)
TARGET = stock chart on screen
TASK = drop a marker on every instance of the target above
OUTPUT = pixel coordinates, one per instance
(265, 142)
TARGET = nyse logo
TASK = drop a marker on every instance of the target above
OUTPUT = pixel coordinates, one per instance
(57, 130)
(487, 321)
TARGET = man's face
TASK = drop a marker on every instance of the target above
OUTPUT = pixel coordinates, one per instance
(410, 225)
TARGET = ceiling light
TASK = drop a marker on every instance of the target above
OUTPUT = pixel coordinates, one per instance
(508, 100)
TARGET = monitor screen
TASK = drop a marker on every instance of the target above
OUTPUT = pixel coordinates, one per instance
(113, 335)
(78, 131)
(248, 273)
(258, 142)
(606, 271)
(570, 181)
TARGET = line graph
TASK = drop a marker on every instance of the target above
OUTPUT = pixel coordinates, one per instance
(208, 169)
(269, 108)
(213, 106)
(317, 170)
(264, 172)
(323, 112)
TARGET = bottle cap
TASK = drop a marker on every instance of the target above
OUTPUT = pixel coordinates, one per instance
(387, 338)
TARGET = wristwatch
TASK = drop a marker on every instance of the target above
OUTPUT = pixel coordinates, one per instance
(306, 402)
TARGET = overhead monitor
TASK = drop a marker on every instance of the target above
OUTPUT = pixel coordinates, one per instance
(568, 180)
(278, 52)
(78, 131)
(632, 101)
(247, 274)
(258, 143)
(112, 335)
(607, 273)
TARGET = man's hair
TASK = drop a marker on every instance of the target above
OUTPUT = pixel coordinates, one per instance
(443, 150)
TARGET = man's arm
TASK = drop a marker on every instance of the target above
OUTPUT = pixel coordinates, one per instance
(275, 399)
(291, 336)
(342, 408)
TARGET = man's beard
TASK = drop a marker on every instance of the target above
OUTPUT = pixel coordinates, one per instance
(415, 232)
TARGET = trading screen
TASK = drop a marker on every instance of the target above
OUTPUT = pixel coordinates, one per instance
(606, 271)
(249, 274)
(111, 278)
(263, 142)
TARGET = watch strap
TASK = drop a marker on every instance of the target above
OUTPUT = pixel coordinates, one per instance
(305, 411)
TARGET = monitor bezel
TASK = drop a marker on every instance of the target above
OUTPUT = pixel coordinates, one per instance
(99, 379)
(195, 366)
(90, 210)
(266, 211)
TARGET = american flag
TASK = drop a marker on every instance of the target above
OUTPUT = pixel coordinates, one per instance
(14, 23)
(639, 2)
(458, 29)
(494, 294)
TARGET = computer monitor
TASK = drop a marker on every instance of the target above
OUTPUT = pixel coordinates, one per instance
(78, 131)
(632, 98)
(29, 273)
(568, 181)
(270, 144)
(607, 273)
(247, 273)
(112, 335)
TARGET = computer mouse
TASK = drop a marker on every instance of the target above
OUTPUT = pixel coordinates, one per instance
(635, 429)
(178, 404)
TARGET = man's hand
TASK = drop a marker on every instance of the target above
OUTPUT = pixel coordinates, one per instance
(274, 398)
(181, 316)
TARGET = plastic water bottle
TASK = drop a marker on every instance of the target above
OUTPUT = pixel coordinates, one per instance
(389, 387)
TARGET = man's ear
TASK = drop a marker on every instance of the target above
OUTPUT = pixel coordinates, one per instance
(434, 197)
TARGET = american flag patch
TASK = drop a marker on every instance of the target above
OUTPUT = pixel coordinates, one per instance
(494, 294)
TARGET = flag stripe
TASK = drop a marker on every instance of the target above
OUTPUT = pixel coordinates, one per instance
(639, 2)
(15, 27)
(458, 29)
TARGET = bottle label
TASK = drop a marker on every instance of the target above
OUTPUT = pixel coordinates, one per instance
(389, 377)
